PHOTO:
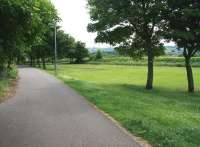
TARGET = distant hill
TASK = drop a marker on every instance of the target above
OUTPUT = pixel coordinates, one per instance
(93, 50)
(173, 50)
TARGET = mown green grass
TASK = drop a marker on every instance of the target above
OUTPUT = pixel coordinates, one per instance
(167, 116)
(4, 85)
(6, 81)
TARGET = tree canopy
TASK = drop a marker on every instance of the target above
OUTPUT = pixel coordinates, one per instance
(27, 33)
(137, 28)
(23, 25)
(184, 30)
(133, 26)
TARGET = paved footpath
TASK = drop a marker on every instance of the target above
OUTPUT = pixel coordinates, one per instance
(46, 113)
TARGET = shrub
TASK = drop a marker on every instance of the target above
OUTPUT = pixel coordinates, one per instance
(99, 55)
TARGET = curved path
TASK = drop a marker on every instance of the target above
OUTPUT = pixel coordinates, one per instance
(46, 113)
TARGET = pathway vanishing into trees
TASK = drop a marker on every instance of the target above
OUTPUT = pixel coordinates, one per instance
(46, 113)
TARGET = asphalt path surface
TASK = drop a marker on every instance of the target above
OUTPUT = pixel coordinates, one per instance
(46, 113)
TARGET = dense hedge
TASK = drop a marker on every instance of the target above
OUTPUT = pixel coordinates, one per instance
(159, 61)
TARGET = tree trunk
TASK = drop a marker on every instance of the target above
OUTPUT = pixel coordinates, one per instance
(18, 60)
(52, 60)
(150, 73)
(1, 70)
(71, 61)
(189, 75)
(9, 62)
(38, 62)
(43, 63)
(31, 62)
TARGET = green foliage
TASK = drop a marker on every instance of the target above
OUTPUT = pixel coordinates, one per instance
(78, 53)
(183, 28)
(27, 31)
(44, 19)
(81, 52)
(184, 24)
(22, 28)
(6, 80)
(166, 116)
(15, 20)
(99, 55)
(160, 51)
(65, 43)
(133, 27)
(12, 72)
(138, 53)
(4, 84)
(136, 28)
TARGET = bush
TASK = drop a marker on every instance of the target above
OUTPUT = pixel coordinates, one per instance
(99, 55)
(10, 73)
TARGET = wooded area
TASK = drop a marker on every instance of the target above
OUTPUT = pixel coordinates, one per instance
(27, 34)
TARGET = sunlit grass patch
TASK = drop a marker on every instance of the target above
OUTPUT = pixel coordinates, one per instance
(167, 116)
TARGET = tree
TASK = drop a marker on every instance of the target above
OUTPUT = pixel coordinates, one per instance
(71, 55)
(23, 26)
(99, 55)
(15, 21)
(132, 25)
(26, 31)
(44, 16)
(81, 52)
(184, 29)
(65, 43)
(78, 53)
(135, 51)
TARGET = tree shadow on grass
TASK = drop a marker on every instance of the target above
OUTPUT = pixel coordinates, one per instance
(130, 90)
(158, 92)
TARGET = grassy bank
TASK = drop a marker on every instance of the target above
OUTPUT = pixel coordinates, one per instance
(167, 116)
(159, 61)
(6, 82)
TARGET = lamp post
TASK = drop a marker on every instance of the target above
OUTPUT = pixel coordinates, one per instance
(55, 49)
(54, 25)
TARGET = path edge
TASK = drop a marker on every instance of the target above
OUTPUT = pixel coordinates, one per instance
(11, 91)
(139, 140)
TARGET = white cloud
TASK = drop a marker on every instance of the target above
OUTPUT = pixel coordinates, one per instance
(168, 43)
(75, 19)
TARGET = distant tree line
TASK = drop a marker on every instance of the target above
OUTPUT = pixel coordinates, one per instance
(138, 27)
(27, 34)
(67, 48)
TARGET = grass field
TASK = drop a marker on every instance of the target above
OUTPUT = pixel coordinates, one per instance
(159, 61)
(4, 85)
(6, 81)
(167, 116)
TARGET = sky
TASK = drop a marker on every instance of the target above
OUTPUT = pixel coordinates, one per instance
(75, 18)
